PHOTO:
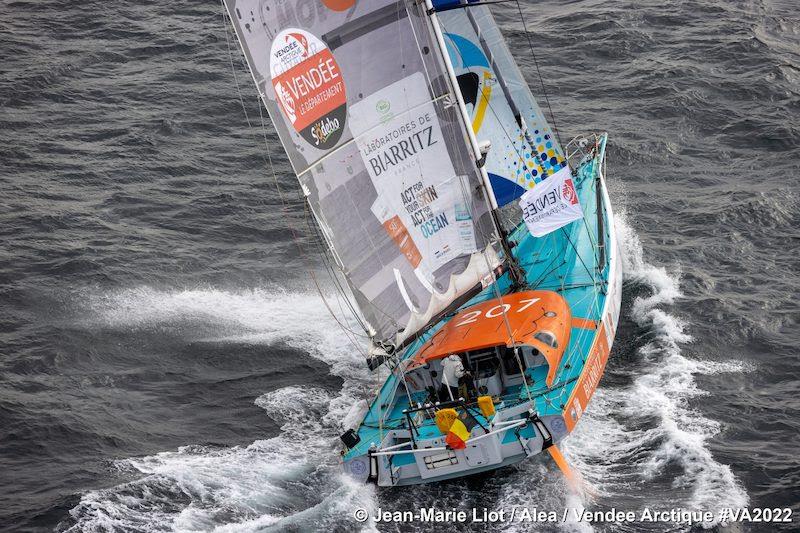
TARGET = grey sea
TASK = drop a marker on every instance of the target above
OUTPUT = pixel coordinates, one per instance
(167, 364)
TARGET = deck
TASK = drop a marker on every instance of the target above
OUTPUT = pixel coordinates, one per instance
(565, 261)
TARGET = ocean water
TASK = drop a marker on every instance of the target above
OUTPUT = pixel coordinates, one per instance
(167, 364)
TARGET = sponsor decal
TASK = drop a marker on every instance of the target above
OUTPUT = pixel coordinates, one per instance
(610, 327)
(551, 205)
(568, 192)
(391, 154)
(339, 5)
(557, 425)
(309, 87)
(577, 409)
(399, 234)
(590, 377)
(402, 144)
(358, 467)
(384, 109)
(324, 129)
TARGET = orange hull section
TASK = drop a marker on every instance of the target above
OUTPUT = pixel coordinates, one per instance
(590, 377)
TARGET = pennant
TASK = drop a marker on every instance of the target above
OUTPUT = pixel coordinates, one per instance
(551, 204)
(458, 435)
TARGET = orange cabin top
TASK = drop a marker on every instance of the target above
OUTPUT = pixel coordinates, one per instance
(540, 319)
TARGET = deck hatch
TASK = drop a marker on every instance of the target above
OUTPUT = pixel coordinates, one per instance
(440, 460)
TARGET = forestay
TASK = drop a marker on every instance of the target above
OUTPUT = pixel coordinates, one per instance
(361, 100)
(524, 150)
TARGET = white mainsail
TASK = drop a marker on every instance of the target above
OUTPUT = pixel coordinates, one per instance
(360, 96)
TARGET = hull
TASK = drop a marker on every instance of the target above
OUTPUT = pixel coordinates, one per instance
(394, 445)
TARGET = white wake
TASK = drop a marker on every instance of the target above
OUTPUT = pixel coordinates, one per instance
(636, 434)
(291, 480)
(631, 439)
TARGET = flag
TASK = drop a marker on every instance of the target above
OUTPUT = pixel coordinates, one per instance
(551, 204)
(457, 436)
(444, 419)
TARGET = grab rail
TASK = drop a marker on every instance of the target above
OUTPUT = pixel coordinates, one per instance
(392, 450)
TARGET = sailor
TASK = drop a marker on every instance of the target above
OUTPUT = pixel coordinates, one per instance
(452, 372)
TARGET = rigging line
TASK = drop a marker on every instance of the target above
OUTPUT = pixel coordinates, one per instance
(591, 240)
(538, 72)
(586, 223)
(335, 280)
(339, 298)
(584, 333)
(600, 181)
(239, 92)
(577, 357)
(344, 314)
(591, 275)
(568, 286)
(546, 273)
(344, 328)
(328, 307)
(327, 261)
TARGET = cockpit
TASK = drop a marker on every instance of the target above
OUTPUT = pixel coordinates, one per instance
(493, 371)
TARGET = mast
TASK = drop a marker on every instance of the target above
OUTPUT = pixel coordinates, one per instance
(515, 271)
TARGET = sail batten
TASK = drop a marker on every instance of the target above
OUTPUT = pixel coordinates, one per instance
(363, 103)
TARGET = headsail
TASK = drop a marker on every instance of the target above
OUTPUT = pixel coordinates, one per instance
(523, 148)
(361, 99)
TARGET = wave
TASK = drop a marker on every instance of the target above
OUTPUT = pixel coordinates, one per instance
(290, 481)
(644, 434)
(647, 432)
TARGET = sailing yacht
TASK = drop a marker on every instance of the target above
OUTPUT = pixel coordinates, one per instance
(469, 240)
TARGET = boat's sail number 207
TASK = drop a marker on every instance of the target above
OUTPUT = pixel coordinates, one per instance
(496, 311)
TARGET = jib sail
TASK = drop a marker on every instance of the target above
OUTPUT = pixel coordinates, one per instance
(361, 99)
(524, 150)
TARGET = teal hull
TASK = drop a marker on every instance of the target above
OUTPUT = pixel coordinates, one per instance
(569, 262)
